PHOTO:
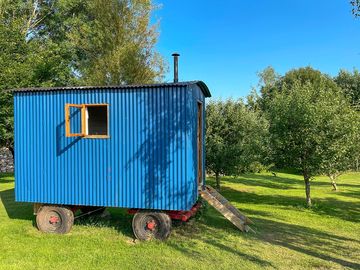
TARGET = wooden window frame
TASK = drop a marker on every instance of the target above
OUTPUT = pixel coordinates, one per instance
(67, 120)
(84, 121)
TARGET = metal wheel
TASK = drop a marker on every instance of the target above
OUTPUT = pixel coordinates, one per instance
(54, 219)
(151, 225)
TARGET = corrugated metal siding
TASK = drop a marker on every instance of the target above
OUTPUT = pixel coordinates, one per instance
(149, 161)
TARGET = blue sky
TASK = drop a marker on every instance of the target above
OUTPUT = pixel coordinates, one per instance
(225, 43)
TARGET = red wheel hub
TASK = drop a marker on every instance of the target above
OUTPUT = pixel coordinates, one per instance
(151, 225)
(53, 219)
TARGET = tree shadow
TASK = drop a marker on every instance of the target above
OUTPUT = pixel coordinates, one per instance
(278, 181)
(5, 181)
(193, 253)
(118, 219)
(267, 181)
(189, 231)
(4, 176)
(323, 206)
(312, 242)
(165, 152)
(306, 240)
(325, 183)
(244, 197)
(346, 185)
(337, 208)
(355, 195)
(63, 143)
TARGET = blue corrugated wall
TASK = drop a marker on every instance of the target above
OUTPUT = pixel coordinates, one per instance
(149, 161)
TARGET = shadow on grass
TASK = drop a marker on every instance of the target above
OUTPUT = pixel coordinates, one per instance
(328, 184)
(118, 220)
(355, 195)
(4, 178)
(337, 208)
(276, 182)
(267, 181)
(253, 198)
(324, 206)
(305, 240)
(188, 231)
(16, 210)
(312, 242)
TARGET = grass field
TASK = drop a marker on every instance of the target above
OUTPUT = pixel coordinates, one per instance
(289, 236)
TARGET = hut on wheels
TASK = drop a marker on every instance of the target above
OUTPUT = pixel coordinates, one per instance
(139, 147)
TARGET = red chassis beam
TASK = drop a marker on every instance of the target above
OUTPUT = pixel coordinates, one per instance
(178, 215)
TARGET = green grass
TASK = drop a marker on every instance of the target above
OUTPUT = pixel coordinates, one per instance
(288, 235)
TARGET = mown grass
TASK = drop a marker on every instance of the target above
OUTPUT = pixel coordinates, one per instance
(288, 235)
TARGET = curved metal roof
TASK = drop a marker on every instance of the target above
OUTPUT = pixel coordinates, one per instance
(201, 84)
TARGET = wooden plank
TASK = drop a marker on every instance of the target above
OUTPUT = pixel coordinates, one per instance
(224, 211)
(232, 208)
(221, 204)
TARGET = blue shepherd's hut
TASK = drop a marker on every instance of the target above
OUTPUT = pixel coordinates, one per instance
(139, 147)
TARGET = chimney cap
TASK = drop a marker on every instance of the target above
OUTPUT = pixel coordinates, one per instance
(175, 54)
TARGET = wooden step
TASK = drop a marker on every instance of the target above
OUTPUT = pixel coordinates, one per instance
(224, 201)
(230, 212)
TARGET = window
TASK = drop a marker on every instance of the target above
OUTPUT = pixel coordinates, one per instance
(86, 120)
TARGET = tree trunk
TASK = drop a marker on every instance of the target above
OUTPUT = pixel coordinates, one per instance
(333, 182)
(307, 189)
(217, 177)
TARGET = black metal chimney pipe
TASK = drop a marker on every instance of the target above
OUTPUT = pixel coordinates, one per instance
(176, 68)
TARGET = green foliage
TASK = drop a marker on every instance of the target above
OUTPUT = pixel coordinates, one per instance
(349, 82)
(272, 83)
(268, 84)
(312, 125)
(236, 137)
(71, 42)
(341, 145)
(112, 41)
(355, 7)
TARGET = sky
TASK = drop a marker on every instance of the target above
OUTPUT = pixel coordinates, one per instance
(226, 43)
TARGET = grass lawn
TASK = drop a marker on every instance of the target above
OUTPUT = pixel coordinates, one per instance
(289, 236)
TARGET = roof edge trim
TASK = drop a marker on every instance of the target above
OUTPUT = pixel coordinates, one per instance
(200, 84)
(204, 88)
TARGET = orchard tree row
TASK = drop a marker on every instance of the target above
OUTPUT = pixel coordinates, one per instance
(303, 120)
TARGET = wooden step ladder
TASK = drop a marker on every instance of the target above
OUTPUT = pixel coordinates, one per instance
(230, 212)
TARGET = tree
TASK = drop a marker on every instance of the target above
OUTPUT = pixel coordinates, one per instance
(349, 82)
(355, 7)
(113, 41)
(25, 61)
(71, 42)
(341, 146)
(307, 118)
(236, 138)
(268, 80)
